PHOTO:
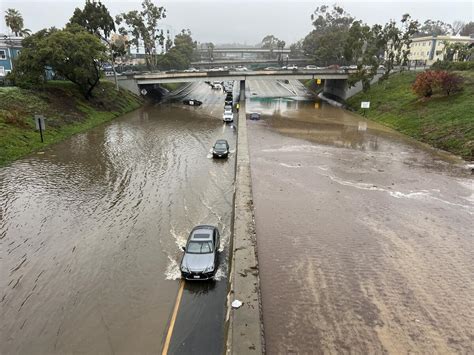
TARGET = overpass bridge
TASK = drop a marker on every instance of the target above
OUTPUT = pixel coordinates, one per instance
(248, 62)
(335, 80)
(245, 50)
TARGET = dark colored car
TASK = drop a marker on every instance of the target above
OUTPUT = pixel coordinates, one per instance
(200, 259)
(228, 102)
(192, 102)
(220, 149)
(254, 116)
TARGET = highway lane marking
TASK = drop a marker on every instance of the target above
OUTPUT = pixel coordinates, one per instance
(173, 319)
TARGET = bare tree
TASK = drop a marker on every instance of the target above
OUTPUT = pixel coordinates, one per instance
(457, 26)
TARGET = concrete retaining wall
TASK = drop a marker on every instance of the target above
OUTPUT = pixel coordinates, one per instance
(245, 326)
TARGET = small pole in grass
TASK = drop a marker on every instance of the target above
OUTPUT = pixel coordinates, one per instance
(40, 125)
(365, 105)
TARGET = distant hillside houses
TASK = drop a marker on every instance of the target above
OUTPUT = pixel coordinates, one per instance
(10, 47)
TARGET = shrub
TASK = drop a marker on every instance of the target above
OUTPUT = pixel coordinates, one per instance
(449, 82)
(427, 82)
(447, 65)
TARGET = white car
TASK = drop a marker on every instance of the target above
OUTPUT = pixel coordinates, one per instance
(228, 116)
(311, 67)
(291, 67)
(241, 69)
(217, 86)
(216, 69)
(191, 70)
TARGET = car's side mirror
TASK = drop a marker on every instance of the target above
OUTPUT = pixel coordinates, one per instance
(184, 248)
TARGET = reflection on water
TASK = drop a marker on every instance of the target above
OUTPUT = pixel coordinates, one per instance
(315, 121)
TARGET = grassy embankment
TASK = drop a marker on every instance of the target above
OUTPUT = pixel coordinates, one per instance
(445, 122)
(66, 112)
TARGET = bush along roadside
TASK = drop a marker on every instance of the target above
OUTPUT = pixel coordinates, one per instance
(443, 121)
(66, 111)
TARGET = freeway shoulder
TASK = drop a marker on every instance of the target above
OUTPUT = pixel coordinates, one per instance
(245, 332)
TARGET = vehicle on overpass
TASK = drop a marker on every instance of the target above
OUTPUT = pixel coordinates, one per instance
(200, 259)
(220, 149)
(192, 102)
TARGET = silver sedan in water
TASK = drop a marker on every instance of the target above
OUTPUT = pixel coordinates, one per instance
(200, 257)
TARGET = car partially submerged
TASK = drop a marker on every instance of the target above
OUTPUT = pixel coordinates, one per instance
(254, 116)
(228, 116)
(200, 259)
(192, 102)
(220, 149)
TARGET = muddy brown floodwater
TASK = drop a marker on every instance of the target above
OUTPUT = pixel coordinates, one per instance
(91, 231)
(365, 237)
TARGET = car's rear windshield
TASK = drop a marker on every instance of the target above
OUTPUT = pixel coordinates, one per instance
(195, 247)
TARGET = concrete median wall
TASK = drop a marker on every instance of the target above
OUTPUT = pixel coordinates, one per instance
(245, 326)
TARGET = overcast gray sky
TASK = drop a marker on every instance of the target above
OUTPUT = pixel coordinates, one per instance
(232, 21)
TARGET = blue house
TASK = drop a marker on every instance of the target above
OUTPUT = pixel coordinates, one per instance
(10, 47)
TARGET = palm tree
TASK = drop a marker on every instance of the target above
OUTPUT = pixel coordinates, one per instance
(14, 20)
(24, 32)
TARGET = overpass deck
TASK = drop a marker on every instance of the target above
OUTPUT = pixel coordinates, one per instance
(158, 78)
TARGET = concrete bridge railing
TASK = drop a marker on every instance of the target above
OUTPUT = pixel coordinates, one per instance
(335, 81)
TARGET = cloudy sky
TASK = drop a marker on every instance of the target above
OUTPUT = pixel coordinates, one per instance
(232, 21)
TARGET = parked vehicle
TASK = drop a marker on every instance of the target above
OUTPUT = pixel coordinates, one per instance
(191, 70)
(254, 116)
(192, 102)
(217, 86)
(291, 67)
(311, 67)
(220, 149)
(241, 69)
(200, 259)
(228, 102)
(271, 68)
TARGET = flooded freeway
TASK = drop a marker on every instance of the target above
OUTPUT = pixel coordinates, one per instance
(364, 236)
(91, 231)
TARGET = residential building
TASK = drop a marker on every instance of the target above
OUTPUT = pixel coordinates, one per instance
(10, 47)
(429, 49)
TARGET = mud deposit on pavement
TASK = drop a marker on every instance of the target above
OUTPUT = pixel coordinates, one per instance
(364, 237)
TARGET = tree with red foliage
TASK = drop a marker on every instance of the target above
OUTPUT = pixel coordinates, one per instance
(449, 82)
(426, 83)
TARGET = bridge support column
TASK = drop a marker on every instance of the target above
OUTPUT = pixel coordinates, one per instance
(242, 90)
(336, 87)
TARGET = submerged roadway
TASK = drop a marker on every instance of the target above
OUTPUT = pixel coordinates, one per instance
(363, 235)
